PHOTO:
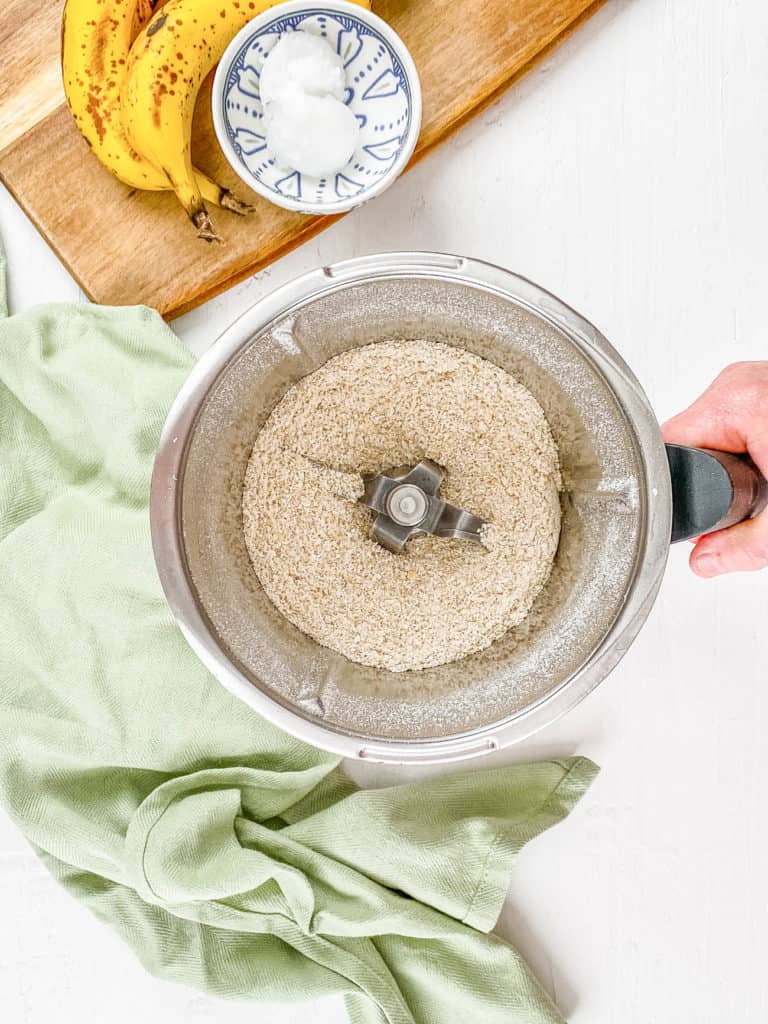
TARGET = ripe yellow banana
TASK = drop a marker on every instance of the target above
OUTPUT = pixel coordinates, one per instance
(96, 38)
(167, 63)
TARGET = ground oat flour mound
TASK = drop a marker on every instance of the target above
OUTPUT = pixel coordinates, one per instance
(369, 410)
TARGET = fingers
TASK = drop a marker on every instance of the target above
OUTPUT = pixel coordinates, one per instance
(757, 439)
(715, 419)
(703, 426)
(732, 416)
(741, 548)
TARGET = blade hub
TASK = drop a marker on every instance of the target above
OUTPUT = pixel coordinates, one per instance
(408, 504)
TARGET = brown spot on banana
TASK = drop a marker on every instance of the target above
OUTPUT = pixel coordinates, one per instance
(157, 100)
(100, 44)
(98, 121)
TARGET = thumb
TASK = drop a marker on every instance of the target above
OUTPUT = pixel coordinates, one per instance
(740, 548)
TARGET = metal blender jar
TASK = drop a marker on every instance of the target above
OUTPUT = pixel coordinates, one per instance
(625, 497)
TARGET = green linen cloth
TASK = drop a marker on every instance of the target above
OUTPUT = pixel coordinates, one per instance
(230, 856)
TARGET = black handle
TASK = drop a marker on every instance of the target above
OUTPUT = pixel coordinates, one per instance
(712, 490)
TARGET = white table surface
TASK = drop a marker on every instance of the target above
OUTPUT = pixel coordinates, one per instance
(629, 175)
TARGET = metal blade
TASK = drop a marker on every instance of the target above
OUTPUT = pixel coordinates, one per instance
(383, 494)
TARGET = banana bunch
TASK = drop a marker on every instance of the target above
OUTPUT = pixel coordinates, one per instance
(133, 98)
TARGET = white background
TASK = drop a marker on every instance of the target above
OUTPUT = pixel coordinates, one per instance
(629, 175)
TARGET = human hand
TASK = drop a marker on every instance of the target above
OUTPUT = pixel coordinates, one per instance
(732, 416)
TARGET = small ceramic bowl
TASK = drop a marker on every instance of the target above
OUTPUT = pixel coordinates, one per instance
(382, 91)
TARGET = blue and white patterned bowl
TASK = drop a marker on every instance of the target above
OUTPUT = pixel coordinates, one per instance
(382, 91)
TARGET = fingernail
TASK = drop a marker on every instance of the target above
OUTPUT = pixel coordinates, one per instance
(707, 564)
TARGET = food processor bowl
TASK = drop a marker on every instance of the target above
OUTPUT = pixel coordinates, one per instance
(616, 510)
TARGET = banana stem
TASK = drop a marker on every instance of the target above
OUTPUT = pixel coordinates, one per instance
(229, 201)
(216, 194)
(203, 225)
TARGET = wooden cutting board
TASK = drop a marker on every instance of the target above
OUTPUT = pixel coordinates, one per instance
(128, 247)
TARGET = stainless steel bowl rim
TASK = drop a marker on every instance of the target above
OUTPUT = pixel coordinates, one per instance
(168, 472)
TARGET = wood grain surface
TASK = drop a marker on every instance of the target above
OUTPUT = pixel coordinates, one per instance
(127, 247)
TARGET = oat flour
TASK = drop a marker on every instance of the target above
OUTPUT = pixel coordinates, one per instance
(370, 410)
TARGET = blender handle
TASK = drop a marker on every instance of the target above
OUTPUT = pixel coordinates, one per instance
(712, 490)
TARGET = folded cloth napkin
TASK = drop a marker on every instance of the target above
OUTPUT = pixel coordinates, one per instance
(230, 856)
